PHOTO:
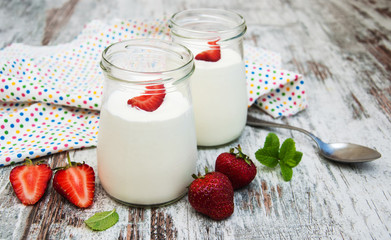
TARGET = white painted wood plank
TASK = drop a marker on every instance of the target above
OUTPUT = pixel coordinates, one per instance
(339, 46)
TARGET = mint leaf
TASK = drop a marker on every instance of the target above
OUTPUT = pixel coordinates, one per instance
(286, 171)
(293, 162)
(273, 143)
(271, 154)
(287, 150)
(268, 155)
(265, 156)
(102, 220)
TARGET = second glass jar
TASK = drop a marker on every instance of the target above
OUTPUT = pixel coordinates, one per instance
(218, 85)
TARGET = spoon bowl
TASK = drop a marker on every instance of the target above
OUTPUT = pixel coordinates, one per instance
(339, 152)
(349, 152)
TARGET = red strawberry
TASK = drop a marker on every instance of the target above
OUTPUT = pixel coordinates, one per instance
(154, 89)
(238, 167)
(212, 55)
(212, 195)
(30, 181)
(153, 98)
(76, 182)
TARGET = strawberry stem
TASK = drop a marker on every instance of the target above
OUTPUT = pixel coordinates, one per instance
(69, 160)
(199, 174)
(240, 154)
(28, 161)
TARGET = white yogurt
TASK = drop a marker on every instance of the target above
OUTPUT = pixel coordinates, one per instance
(219, 99)
(146, 158)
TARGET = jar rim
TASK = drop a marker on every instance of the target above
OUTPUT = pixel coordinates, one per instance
(238, 29)
(105, 62)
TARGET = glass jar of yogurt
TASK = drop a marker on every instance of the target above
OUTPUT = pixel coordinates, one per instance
(218, 84)
(147, 148)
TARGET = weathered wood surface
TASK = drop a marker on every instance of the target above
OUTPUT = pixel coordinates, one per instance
(343, 49)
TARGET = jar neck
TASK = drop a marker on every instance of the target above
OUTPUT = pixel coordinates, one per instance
(142, 62)
(207, 25)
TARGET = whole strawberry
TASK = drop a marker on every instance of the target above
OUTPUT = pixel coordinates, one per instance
(30, 181)
(237, 166)
(76, 182)
(212, 195)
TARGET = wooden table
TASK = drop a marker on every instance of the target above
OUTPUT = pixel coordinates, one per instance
(343, 49)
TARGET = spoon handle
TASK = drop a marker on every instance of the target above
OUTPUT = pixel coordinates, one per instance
(255, 122)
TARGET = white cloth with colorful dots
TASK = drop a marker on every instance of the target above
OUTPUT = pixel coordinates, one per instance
(50, 96)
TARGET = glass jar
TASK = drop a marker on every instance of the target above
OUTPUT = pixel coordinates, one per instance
(147, 149)
(218, 84)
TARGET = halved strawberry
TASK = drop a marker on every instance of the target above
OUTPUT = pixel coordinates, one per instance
(153, 98)
(30, 181)
(76, 182)
(212, 55)
(154, 89)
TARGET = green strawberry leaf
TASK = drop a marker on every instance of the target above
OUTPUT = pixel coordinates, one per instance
(287, 150)
(102, 220)
(286, 171)
(265, 156)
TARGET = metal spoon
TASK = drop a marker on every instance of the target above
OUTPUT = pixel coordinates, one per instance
(339, 152)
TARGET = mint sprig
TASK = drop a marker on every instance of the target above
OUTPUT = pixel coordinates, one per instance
(102, 220)
(287, 157)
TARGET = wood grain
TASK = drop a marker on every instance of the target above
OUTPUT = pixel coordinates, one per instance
(343, 49)
(56, 18)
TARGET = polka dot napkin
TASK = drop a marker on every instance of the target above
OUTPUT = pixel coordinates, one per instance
(278, 92)
(50, 96)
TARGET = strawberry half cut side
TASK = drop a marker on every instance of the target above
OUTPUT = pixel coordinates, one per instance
(30, 181)
(212, 55)
(76, 182)
(151, 100)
